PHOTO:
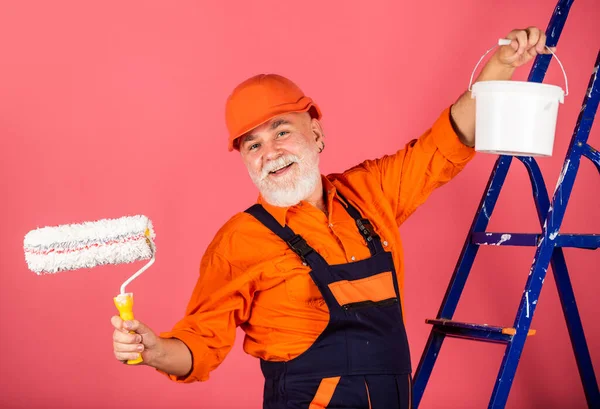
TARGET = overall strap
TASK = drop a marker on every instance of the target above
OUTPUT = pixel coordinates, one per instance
(364, 227)
(296, 242)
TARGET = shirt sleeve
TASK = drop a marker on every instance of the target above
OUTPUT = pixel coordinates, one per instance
(220, 302)
(410, 175)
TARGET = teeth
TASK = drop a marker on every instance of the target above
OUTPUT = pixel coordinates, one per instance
(279, 164)
(275, 170)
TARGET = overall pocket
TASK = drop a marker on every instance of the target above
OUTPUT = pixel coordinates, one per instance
(376, 290)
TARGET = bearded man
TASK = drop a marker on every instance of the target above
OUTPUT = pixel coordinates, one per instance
(313, 272)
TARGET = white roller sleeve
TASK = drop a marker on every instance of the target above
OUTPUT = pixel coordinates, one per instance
(89, 244)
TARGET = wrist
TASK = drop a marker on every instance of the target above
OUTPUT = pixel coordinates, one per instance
(172, 355)
(496, 70)
(157, 353)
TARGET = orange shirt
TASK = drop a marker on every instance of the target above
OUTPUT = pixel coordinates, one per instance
(249, 277)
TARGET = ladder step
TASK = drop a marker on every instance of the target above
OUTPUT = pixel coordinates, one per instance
(584, 241)
(478, 332)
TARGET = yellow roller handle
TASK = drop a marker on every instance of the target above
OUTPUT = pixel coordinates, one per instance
(124, 303)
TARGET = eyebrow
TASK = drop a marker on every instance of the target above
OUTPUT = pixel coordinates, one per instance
(278, 123)
(274, 125)
(248, 138)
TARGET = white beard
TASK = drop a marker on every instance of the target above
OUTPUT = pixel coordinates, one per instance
(296, 185)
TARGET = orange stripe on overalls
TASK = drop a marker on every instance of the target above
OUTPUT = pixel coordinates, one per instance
(324, 393)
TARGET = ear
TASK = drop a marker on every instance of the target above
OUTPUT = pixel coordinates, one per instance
(317, 131)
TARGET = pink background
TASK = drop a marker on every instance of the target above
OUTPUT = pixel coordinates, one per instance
(115, 108)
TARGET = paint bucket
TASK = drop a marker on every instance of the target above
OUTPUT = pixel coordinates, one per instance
(516, 118)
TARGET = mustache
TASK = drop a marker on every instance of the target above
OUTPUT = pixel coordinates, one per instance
(280, 162)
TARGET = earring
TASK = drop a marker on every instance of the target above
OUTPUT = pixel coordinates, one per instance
(322, 147)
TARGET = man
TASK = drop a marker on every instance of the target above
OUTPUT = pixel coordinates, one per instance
(313, 272)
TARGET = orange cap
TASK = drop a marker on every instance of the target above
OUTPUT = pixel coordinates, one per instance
(260, 98)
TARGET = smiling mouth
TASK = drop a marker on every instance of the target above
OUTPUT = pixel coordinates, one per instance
(281, 170)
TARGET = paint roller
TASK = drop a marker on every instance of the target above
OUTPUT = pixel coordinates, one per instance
(50, 250)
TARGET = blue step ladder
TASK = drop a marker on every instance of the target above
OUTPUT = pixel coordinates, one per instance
(548, 243)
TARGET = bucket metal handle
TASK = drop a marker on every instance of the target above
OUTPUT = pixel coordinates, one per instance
(506, 41)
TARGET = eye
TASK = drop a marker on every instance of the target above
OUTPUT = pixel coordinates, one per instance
(282, 134)
(254, 146)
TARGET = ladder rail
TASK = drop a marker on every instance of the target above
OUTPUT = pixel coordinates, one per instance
(553, 32)
(459, 276)
(559, 268)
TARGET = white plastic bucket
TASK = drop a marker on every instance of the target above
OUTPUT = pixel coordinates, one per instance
(516, 118)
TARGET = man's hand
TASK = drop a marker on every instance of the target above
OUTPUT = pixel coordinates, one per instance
(169, 355)
(525, 45)
(128, 345)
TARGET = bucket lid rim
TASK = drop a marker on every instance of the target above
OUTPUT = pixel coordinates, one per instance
(515, 84)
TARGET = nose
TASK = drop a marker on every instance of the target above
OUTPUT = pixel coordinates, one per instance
(271, 150)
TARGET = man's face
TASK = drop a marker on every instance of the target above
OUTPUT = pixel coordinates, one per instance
(282, 158)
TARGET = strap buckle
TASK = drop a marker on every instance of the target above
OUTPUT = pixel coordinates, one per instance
(366, 229)
(300, 247)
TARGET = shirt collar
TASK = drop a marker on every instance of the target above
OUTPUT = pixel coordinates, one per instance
(280, 213)
(277, 212)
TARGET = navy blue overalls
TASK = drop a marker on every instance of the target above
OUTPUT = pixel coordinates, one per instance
(361, 360)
